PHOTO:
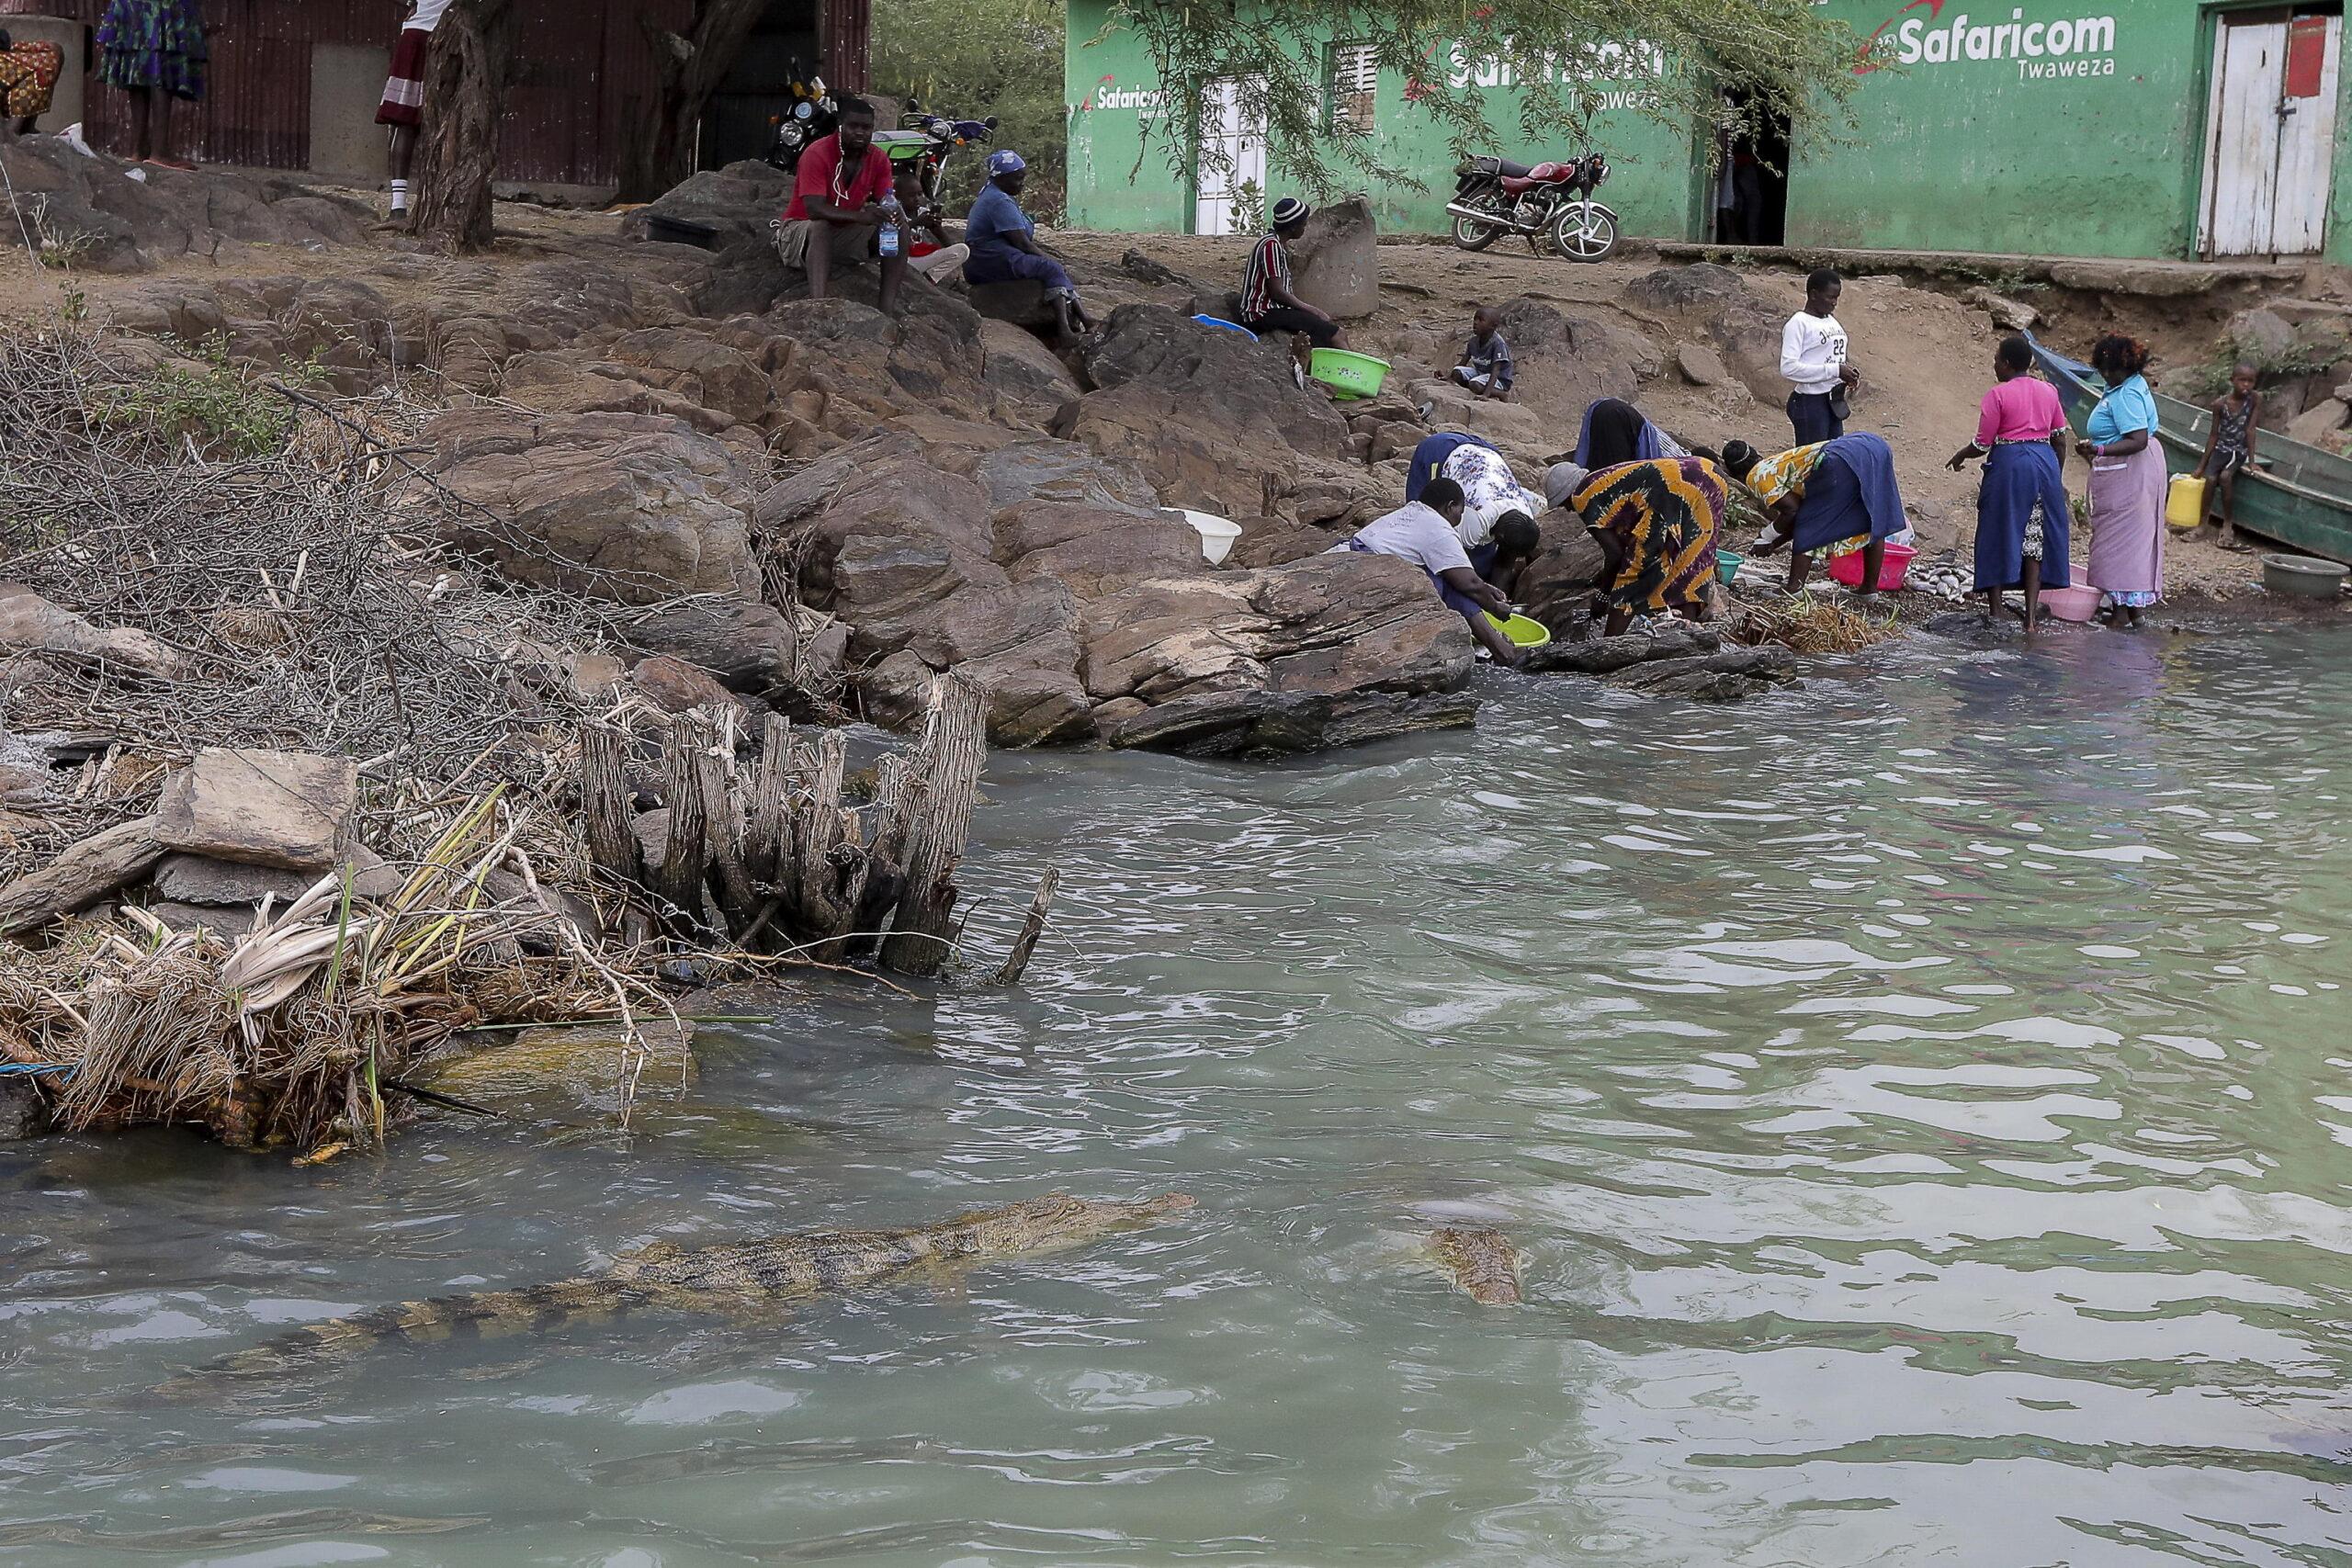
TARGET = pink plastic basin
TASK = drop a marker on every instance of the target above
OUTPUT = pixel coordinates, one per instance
(1848, 569)
(2072, 603)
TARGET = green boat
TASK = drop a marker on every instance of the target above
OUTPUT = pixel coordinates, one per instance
(2298, 495)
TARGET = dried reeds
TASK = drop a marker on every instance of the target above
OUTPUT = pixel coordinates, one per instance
(286, 1034)
(1813, 624)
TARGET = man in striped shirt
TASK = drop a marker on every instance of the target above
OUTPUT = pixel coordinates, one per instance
(1268, 304)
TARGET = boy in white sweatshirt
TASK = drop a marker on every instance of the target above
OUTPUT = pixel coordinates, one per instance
(1813, 357)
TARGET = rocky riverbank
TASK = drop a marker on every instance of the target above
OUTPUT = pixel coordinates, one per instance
(397, 645)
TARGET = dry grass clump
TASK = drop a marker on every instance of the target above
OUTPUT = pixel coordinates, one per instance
(290, 1032)
(1812, 623)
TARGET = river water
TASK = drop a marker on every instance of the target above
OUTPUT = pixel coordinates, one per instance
(1921, 1104)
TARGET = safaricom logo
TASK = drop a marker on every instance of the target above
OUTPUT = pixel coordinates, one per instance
(1107, 95)
(2042, 48)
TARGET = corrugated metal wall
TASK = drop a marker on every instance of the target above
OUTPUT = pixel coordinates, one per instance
(583, 68)
(847, 51)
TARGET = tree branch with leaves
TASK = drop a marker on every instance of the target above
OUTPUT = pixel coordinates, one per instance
(1557, 57)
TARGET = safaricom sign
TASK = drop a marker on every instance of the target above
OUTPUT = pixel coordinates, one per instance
(2083, 47)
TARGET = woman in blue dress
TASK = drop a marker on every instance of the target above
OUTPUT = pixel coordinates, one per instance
(1004, 242)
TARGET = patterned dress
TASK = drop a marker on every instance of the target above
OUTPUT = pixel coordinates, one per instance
(28, 73)
(1663, 515)
(154, 43)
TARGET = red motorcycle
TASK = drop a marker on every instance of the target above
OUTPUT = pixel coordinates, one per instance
(1545, 204)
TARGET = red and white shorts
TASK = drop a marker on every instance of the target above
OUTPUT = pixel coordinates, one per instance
(404, 88)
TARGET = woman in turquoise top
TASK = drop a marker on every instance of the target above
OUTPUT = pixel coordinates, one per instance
(2126, 485)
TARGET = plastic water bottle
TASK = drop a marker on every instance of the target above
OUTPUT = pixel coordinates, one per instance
(890, 213)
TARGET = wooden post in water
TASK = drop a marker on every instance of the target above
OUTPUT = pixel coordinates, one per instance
(938, 823)
(771, 859)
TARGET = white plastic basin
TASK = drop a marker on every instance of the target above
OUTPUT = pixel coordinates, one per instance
(1217, 534)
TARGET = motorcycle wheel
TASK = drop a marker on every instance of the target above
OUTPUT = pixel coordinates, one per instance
(1583, 233)
(1472, 235)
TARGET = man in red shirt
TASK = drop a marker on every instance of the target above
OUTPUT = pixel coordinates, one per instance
(835, 218)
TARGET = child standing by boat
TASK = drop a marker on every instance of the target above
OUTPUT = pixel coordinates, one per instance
(2229, 451)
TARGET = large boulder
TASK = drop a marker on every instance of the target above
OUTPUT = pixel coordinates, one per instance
(1216, 422)
(1331, 626)
(2320, 424)
(630, 507)
(1153, 345)
(1556, 587)
(735, 203)
(1335, 263)
(89, 212)
(747, 645)
(1567, 361)
(1030, 377)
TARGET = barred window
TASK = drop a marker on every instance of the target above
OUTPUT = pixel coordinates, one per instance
(1355, 84)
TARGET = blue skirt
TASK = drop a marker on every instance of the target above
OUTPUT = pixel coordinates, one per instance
(1851, 495)
(1003, 263)
(2017, 478)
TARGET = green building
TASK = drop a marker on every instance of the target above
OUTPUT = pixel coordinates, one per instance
(2092, 127)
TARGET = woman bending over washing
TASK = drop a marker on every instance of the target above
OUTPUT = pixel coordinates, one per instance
(1821, 496)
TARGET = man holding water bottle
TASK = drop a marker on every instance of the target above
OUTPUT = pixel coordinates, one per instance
(844, 209)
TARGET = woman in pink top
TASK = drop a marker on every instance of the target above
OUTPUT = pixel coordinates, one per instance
(2021, 511)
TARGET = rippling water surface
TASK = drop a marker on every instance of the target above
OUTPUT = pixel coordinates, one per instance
(1922, 1105)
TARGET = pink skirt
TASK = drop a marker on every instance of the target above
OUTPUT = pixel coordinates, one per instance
(2128, 522)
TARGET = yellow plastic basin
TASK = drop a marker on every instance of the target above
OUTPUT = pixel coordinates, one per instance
(1524, 631)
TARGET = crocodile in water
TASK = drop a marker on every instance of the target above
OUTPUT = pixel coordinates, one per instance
(733, 1277)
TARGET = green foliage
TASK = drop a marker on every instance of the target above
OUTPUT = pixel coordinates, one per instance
(228, 412)
(1563, 55)
(2314, 350)
(971, 58)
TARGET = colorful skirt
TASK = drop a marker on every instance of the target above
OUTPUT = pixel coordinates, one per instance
(2128, 527)
(404, 88)
(28, 73)
(2024, 488)
(1662, 515)
(153, 43)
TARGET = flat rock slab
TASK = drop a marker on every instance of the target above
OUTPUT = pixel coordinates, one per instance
(185, 879)
(292, 810)
(1607, 655)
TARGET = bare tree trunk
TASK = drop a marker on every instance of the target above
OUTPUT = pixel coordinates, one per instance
(658, 149)
(465, 92)
(955, 746)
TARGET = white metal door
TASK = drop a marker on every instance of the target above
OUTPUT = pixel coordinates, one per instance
(1230, 182)
(2307, 135)
(2270, 136)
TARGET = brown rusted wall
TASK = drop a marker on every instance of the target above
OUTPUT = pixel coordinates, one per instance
(584, 66)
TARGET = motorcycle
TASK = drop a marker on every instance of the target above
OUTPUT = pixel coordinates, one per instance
(924, 141)
(813, 115)
(1545, 204)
